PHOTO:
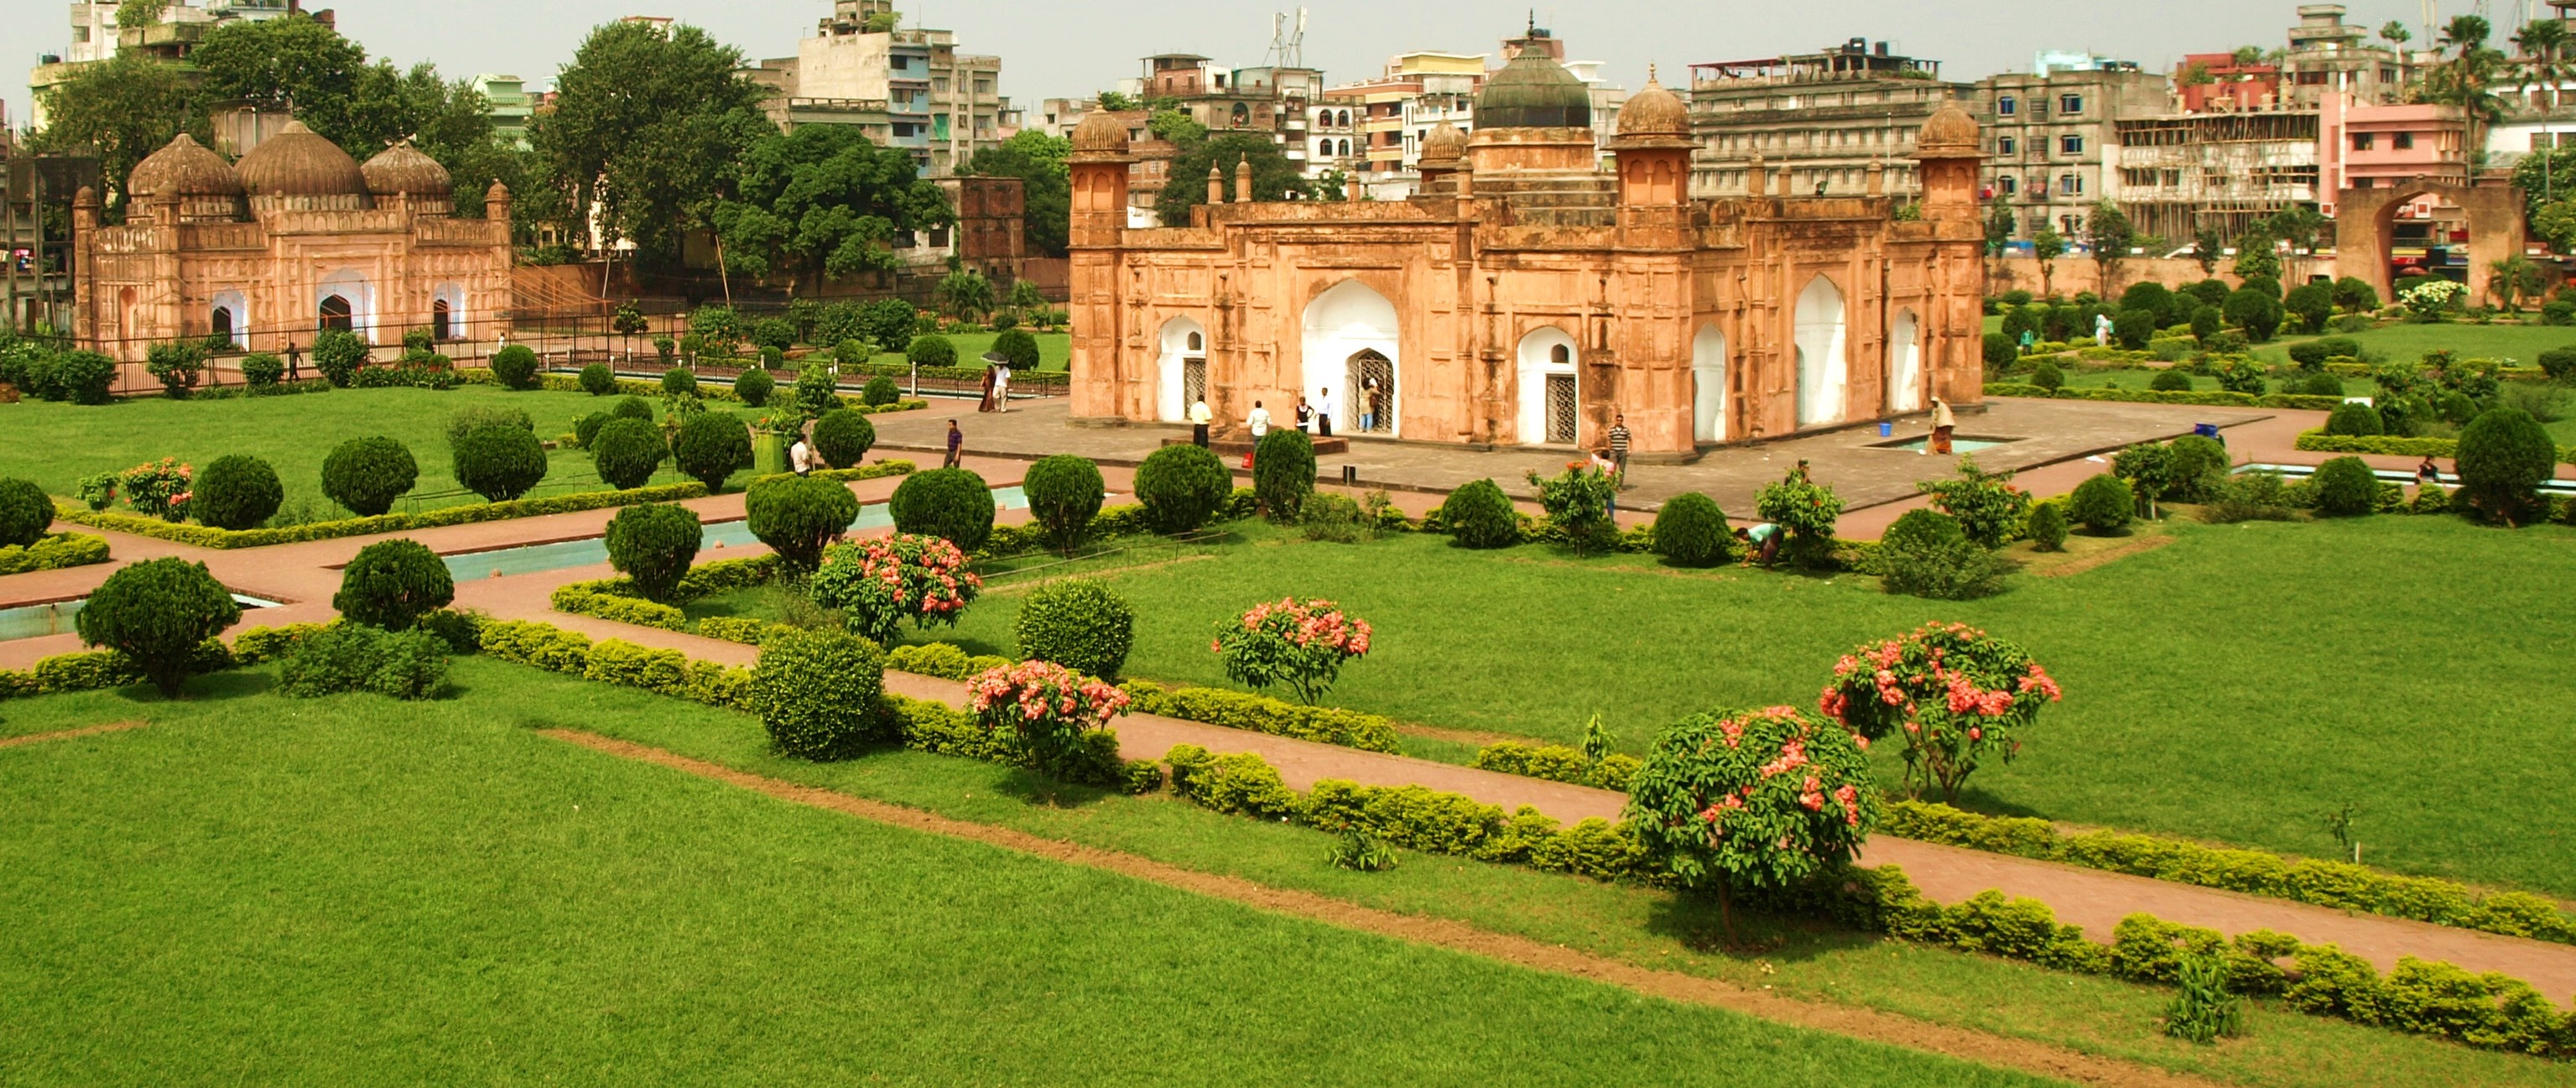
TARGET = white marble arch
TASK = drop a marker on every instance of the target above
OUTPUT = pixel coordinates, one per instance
(1904, 363)
(1824, 373)
(1344, 321)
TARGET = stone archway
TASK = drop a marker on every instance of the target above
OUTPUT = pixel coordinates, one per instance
(1550, 405)
(2365, 232)
(1338, 325)
(1180, 372)
(1822, 345)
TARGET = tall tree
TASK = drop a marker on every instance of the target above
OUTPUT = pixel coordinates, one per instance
(2207, 249)
(1999, 227)
(1273, 176)
(646, 126)
(296, 62)
(1046, 186)
(2543, 64)
(125, 108)
(2112, 237)
(2467, 80)
(822, 200)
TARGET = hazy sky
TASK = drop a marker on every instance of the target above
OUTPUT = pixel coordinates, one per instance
(1052, 48)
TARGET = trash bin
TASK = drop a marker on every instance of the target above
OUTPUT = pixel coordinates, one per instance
(1885, 428)
(2205, 430)
(1350, 475)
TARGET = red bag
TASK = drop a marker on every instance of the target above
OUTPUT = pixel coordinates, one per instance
(1247, 462)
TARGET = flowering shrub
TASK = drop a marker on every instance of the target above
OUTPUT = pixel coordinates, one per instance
(1989, 508)
(879, 583)
(1578, 501)
(1955, 693)
(159, 488)
(2426, 301)
(1298, 643)
(1047, 706)
(1758, 799)
(1807, 510)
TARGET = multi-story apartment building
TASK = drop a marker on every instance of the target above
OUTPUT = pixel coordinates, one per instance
(905, 87)
(96, 37)
(1277, 100)
(2048, 132)
(507, 101)
(1418, 92)
(2328, 56)
(1816, 121)
(2178, 174)
(2215, 82)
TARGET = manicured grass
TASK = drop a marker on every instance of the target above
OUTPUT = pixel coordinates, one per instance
(1055, 349)
(57, 444)
(2407, 343)
(2234, 686)
(356, 891)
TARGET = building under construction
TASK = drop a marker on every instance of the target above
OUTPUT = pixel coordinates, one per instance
(2178, 175)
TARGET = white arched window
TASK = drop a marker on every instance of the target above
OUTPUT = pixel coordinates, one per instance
(1904, 363)
(1708, 384)
(1550, 398)
(1822, 370)
(1181, 376)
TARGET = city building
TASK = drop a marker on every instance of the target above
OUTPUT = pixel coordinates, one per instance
(2328, 56)
(903, 87)
(509, 104)
(1393, 113)
(1525, 297)
(2178, 174)
(2048, 133)
(1279, 101)
(95, 37)
(1820, 120)
(2214, 82)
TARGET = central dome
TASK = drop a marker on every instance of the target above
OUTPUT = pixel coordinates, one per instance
(1534, 91)
(298, 162)
(404, 169)
(183, 168)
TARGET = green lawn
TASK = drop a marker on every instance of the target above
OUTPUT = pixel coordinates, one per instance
(1055, 349)
(2404, 342)
(2233, 686)
(355, 891)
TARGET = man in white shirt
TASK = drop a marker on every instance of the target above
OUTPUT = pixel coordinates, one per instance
(1002, 387)
(1260, 421)
(1200, 417)
(1324, 407)
(800, 457)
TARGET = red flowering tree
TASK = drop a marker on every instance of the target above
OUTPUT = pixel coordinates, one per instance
(880, 582)
(1047, 706)
(1954, 693)
(1301, 644)
(1752, 799)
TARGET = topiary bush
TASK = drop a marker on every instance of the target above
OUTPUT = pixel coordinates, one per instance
(2000, 352)
(2346, 487)
(261, 370)
(1926, 554)
(585, 429)
(392, 584)
(679, 380)
(1020, 348)
(1076, 623)
(366, 475)
(2103, 505)
(348, 657)
(653, 544)
(952, 504)
(2355, 418)
(1180, 487)
(2171, 381)
(25, 513)
(81, 377)
(1691, 531)
(1065, 492)
(2321, 385)
(842, 436)
(1283, 473)
(931, 351)
(2048, 526)
(879, 392)
(626, 452)
(797, 516)
(156, 614)
(1479, 515)
(2560, 363)
(236, 492)
(2504, 456)
(2048, 377)
(515, 367)
(337, 355)
(712, 446)
(817, 692)
(753, 387)
(2195, 468)
(499, 463)
(598, 380)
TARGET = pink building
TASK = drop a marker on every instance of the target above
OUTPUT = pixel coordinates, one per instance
(2386, 147)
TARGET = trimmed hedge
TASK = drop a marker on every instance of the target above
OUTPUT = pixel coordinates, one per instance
(1076, 623)
(566, 383)
(1558, 763)
(99, 670)
(817, 692)
(621, 600)
(942, 660)
(366, 475)
(953, 504)
(204, 536)
(350, 657)
(2394, 446)
(1262, 714)
(53, 552)
(2208, 397)
(236, 492)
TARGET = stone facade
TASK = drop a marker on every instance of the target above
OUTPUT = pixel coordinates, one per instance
(1525, 297)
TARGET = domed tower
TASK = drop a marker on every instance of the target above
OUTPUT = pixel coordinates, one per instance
(402, 175)
(1654, 148)
(184, 182)
(299, 171)
(1947, 155)
(1533, 116)
(1098, 166)
(1444, 157)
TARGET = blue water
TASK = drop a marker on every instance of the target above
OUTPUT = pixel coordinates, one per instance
(712, 541)
(39, 620)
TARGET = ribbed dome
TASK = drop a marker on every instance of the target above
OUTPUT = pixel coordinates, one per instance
(1534, 91)
(299, 162)
(403, 169)
(1654, 111)
(1445, 144)
(1950, 133)
(183, 168)
(1101, 130)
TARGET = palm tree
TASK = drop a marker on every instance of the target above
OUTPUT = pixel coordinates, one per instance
(2544, 44)
(2467, 80)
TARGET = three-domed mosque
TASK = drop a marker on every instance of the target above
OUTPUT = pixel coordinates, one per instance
(1525, 297)
(295, 238)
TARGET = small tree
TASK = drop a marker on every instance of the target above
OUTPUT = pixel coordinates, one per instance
(1953, 695)
(1301, 644)
(1988, 507)
(1283, 473)
(1065, 492)
(653, 544)
(817, 692)
(1807, 510)
(2046, 247)
(392, 584)
(842, 436)
(965, 294)
(178, 365)
(1577, 502)
(2207, 249)
(1181, 487)
(1076, 623)
(797, 516)
(1752, 800)
(953, 504)
(499, 463)
(712, 446)
(2312, 304)
(2113, 237)
(2504, 457)
(236, 491)
(626, 452)
(337, 355)
(753, 386)
(156, 614)
(1046, 708)
(1999, 227)
(880, 582)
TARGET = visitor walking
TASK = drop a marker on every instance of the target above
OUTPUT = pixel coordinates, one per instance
(1943, 422)
(1324, 415)
(956, 445)
(1002, 387)
(294, 361)
(2101, 330)
(1200, 417)
(1619, 449)
(1305, 416)
(992, 374)
(2428, 472)
(1372, 401)
(1259, 422)
(800, 457)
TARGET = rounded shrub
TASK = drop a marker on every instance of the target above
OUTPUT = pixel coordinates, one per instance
(1922, 528)
(483, 415)
(236, 492)
(842, 436)
(1927, 554)
(2170, 381)
(653, 544)
(2048, 526)
(2346, 487)
(2103, 505)
(817, 692)
(1479, 515)
(753, 387)
(2196, 468)
(499, 463)
(392, 584)
(879, 392)
(712, 446)
(598, 380)
(931, 351)
(2048, 377)
(632, 408)
(950, 503)
(337, 355)
(586, 429)
(2560, 363)
(1181, 487)
(1064, 493)
(797, 516)
(261, 370)
(1076, 623)
(1691, 531)
(1283, 473)
(2321, 385)
(366, 475)
(627, 452)
(156, 614)
(2504, 457)
(2000, 352)
(25, 513)
(81, 377)
(679, 380)
(1021, 349)
(2355, 418)
(515, 367)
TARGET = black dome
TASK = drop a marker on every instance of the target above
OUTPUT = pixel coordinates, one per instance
(1534, 91)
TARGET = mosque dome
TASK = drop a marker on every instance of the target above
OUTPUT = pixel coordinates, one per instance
(1950, 133)
(299, 162)
(1534, 91)
(404, 169)
(183, 168)
(1654, 111)
(1099, 131)
(1446, 144)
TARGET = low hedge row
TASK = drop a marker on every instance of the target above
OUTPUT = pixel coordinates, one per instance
(2318, 441)
(2209, 397)
(1558, 763)
(943, 660)
(2355, 368)
(617, 598)
(1262, 714)
(208, 537)
(2338, 884)
(96, 670)
(741, 629)
(890, 467)
(568, 383)
(1115, 521)
(53, 552)
(281, 389)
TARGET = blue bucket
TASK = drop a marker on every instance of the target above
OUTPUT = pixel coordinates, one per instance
(1885, 429)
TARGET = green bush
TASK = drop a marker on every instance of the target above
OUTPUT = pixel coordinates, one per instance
(337, 355)
(1065, 492)
(236, 492)
(2048, 377)
(2170, 380)
(632, 408)
(2198, 466)
(515, 367)
(2504, 457)
(393, 583)
(950, 503)
(2346, 487)
(1076, 623)
(598, 380)
(2312, 304)
(2000, 352)
(347, 657)
(586, 429)
(678, 381)
(2103, 505)
(712, 446)
(81, 377)
(2560, 363)
(1330, 517)
(1479, 515)
(2355, 418)
(155, 615)
(261, 370)
(2321, 385)
(817, 692)
(2256, 311)
(1019, 347)
(1925, 554)
(931, 351)
(1181, 487)
(842, 436)
(366, 475)
(797, 516)
(25, 513)
(626, 452)
(753, 387)
(1691, 531)
(879, 392)
(1283, 473)
(653, 544)
(466, 420)
(2048, 526)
